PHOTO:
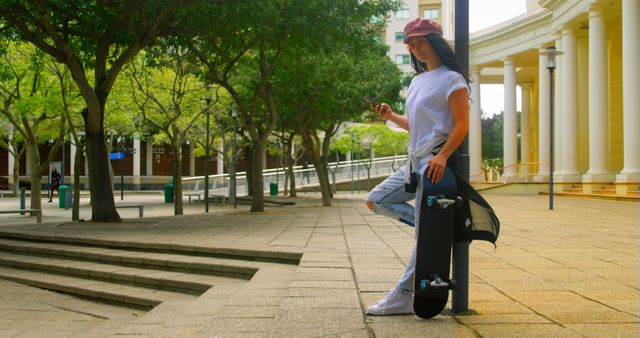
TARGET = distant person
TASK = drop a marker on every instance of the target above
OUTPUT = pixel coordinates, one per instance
(305, 172)
(55, 183)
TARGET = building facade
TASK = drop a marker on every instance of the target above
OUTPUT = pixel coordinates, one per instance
(596, 111)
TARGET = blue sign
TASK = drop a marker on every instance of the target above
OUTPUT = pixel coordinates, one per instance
(117, 155)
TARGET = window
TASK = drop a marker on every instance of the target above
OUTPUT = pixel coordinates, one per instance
(402, 13)
(431, 13)
(403, 59)
(399, 36)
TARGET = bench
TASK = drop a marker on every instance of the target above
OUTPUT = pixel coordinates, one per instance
(195, 192)
(23, 211)
(218, 198)
(139, 206)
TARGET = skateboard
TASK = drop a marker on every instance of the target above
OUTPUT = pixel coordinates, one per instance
(435, 234)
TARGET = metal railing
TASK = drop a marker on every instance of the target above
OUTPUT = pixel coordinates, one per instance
(344, 171)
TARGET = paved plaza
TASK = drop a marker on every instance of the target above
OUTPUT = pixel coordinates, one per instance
(570, 272)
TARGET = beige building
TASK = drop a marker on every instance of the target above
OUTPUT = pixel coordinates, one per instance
(596, 89)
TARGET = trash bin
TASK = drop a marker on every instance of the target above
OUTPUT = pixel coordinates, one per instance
(273, 189)
(68, 197)
(168, 193)
(62, 193)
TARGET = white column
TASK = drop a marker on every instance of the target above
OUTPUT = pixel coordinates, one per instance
(525, 127)
(543, 118)
(475, 129)
(149, 156)
(137, 150)
(598, 100)
(569, 113)
(557, 110)
(220, 162)
(10, 161)
(447, 22)
(264, 159)
(510, 131)
(27, 162)
(630, 93)
(72, 160)
(192, 159)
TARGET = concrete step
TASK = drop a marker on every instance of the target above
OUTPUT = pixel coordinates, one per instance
(98, 290)
(172, 262)
(281, 257)
(175, 281)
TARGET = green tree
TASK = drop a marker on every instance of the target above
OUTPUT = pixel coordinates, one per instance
(94, 40)
(492, 135)
(31, 104)
(170, 97)
(320, 91)
(243, 54)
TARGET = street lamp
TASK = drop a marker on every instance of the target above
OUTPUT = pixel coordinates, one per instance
(234, 113)
(551, 53)
(206, 157)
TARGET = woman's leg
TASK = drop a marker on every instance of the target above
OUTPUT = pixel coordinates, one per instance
(389, 199)
(406, 281)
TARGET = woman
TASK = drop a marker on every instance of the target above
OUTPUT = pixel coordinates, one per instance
(437, 109)
(55, 183)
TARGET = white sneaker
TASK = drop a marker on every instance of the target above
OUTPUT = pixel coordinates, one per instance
(394, 303)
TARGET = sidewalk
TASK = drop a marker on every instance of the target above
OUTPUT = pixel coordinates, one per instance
(570, 272)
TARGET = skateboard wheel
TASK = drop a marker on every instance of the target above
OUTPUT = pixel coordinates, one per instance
(452, 285)
(431, 200)
(459, 201)
(424, 284)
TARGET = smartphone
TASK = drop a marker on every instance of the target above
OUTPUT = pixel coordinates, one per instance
(370, 100)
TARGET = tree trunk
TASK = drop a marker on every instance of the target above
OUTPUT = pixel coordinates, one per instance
(103, 208)
(313, 154)
(257, 178)
(177, 179)
(248, 156)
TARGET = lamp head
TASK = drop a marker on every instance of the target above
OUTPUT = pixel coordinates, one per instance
(551, 53)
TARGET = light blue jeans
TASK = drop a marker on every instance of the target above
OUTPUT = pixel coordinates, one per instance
(390, 199)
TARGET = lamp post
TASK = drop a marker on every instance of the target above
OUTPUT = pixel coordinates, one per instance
(352, 141)
(358, 166)
(206, 157)
(234, 113)
(551, 53)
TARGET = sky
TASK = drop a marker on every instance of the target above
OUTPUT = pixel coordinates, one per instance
(487, 13)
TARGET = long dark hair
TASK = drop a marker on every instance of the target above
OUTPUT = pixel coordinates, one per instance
(446, 55)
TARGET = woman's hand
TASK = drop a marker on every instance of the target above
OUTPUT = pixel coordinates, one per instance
(384, 110)
(437, 164)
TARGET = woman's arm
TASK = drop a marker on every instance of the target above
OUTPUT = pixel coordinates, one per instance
(386, 113)
(459, 102)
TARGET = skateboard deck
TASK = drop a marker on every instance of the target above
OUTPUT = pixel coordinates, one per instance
(435, 234)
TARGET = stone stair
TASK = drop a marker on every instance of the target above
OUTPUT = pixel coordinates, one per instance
(133, 275)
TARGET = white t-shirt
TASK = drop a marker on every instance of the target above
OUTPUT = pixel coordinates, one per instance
(428, 107)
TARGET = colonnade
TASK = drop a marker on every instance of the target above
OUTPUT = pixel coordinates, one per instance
(570, 92)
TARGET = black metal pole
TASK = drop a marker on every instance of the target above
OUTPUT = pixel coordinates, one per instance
(352, 158)
(122, 175)
(460, 264)
(233, 157)
(206, 164)
(358, 147)
(551, 127)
